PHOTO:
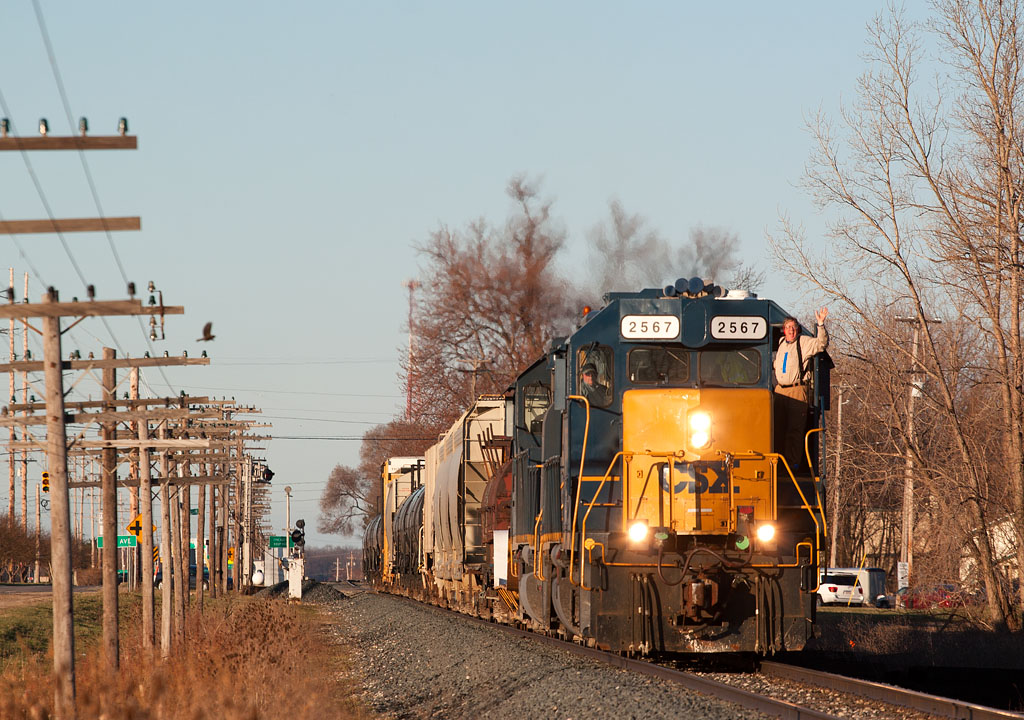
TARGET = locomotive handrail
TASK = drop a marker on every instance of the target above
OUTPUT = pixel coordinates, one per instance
(513, 567)
(807, 505)
(591, 544)
(810, 556)
(817, 479)
(583, 524)
(576, 503)
(536, 546)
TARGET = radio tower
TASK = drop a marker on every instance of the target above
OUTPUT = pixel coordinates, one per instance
(411, 285)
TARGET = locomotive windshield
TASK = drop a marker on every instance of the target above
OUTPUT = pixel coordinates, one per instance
(730, 368)
(658, 365)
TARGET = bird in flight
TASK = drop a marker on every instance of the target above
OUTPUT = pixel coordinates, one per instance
(207, 333)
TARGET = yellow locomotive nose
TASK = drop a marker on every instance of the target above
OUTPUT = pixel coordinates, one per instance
(684, 471)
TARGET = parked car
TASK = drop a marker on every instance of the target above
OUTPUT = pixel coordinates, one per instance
(836, 588)
(941, 595)
(853, 586)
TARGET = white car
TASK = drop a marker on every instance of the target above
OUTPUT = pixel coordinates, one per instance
(840, 588)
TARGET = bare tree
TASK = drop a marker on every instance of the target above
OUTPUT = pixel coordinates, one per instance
(343, 504)
(350, 498)
(491, 300)
(927, 194)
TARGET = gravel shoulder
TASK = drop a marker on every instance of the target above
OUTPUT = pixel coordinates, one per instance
(419, 662)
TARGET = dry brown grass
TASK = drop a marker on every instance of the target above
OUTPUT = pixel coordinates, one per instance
(245, 658)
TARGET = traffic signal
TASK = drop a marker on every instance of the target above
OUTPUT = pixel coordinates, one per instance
(46, 481)
(298, 535)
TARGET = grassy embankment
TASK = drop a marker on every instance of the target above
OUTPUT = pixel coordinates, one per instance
(245, 658)
(941, 637)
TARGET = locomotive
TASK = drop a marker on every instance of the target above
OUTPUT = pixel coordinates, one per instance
(629, 491)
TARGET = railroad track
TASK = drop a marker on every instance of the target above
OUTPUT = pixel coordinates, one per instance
(846, 693)
(923, 702)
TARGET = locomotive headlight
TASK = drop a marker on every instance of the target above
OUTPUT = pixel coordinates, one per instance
(638, 531)
(765, 532)
(700, 429)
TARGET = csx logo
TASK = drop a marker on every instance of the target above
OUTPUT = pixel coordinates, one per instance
(694, 479)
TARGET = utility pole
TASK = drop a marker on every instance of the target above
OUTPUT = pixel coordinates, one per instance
(200, 542)
(60, 518)
(46, 141)
(477, 364)
(214, 556)
(834, 494)
(108, 501)
(134, 469)
(288, 509)
(24, 395)
(39, 525)
(14, 433)
(185, 526)
(410, 373)
(166, 552)
(108, 417)
(146, 500)
(50, 310)
(907, 525)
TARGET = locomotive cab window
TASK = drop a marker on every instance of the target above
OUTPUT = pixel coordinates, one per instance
(658, 365)
(536, 400)
(730, 368)
(594, 379)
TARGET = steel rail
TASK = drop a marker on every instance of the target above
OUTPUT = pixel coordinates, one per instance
(932, 704)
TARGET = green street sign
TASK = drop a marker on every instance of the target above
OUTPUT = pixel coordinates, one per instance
(280, 541)
(193, 511)
(123, 541)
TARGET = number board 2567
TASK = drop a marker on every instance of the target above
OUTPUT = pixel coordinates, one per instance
(738, 327)
(649, 327)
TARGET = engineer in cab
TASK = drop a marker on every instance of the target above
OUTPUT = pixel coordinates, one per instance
(792, 383)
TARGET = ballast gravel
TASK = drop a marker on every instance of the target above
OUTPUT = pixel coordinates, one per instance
(415, 661)
(419, 662)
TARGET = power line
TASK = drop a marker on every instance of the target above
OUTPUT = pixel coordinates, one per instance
(326, 420)
(307, 362)
(345, 437)
(292, 392)
(52, 56)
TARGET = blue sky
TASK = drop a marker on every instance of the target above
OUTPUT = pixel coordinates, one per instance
(291, 154)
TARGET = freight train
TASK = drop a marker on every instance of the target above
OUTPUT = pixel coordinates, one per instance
(629, 491)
